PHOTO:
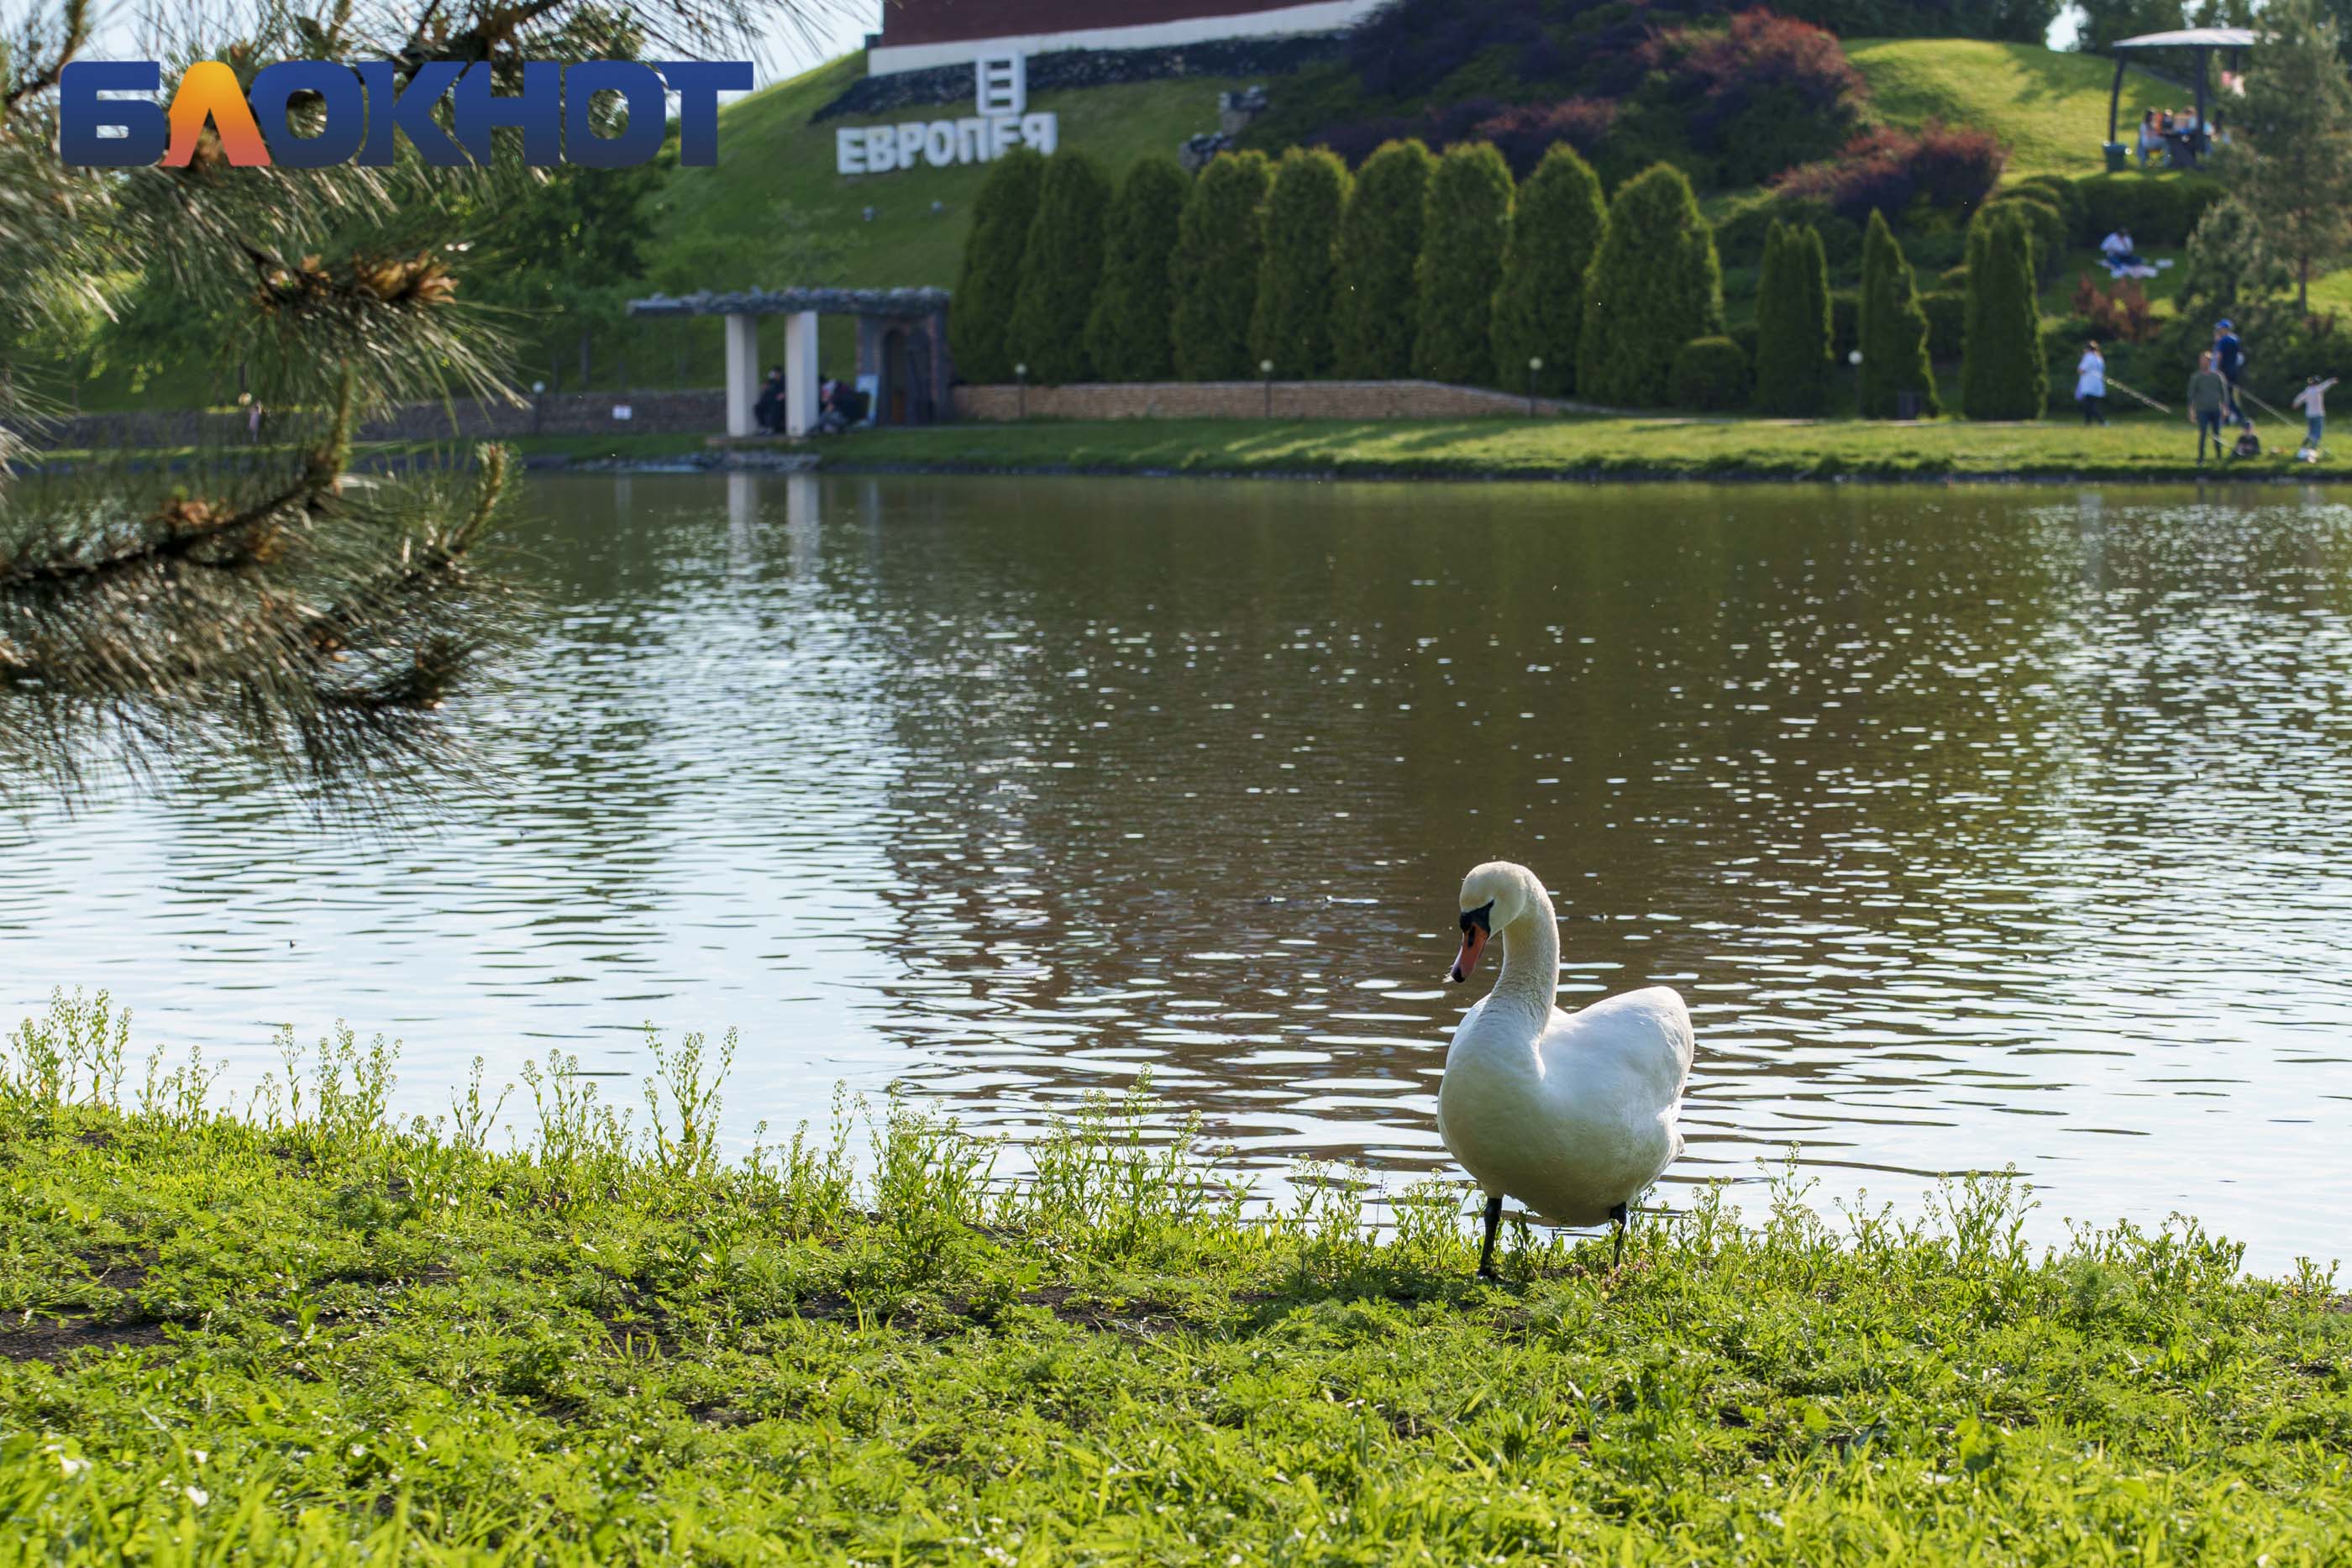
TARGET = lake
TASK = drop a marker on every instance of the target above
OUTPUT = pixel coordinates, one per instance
(1979, 827)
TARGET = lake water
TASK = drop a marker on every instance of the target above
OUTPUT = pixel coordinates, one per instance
(1979, 827)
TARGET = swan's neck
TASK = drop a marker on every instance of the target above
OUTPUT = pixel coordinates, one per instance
(1530, 977)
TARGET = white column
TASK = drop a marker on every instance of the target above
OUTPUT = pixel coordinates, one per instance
(742, 373)
(800, 372)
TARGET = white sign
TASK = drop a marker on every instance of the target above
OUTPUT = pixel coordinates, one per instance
(1000, 93)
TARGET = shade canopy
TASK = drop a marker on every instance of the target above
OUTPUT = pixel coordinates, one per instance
(2191, 38)
(895, 302)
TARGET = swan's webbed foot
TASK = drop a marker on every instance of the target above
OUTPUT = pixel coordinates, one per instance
(1486, 1253)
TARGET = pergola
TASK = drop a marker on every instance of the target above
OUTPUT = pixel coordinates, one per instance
(902, 345)
(2203, 41)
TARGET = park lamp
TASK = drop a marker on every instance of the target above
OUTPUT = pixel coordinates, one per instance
(1265, 369)
(1535, 364)
(1020, 379)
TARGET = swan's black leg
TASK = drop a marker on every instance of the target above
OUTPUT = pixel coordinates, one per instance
(1494, 1218)
(1618, 1214)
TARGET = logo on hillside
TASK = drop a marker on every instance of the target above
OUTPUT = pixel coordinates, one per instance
(1000, 86)
(362, 107)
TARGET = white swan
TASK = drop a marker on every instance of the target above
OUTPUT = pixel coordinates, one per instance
(1571, 1113)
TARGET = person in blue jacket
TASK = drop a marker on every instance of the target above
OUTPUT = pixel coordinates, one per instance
(2230, 359)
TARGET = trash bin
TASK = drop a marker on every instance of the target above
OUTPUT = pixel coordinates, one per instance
(2118, 157)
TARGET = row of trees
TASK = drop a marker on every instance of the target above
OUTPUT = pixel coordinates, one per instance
(1416, 265)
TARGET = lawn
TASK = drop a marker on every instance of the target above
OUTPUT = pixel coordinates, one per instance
(2048, 108)
(2136, 449)
(303, 1336)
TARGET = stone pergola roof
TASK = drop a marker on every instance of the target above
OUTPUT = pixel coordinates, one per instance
(794, 301)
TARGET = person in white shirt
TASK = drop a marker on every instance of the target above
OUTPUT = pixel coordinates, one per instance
(2119, 250)
(2313, 400)
(2091, 384)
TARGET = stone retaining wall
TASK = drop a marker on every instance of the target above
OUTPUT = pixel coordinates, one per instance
(1245, 400)
(699, 412)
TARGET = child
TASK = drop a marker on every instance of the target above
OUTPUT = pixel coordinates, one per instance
(2313, 400)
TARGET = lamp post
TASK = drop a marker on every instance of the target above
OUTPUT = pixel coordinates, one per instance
(1265, 369)
(1021, 398)
(1535, 364)
(1854, 358)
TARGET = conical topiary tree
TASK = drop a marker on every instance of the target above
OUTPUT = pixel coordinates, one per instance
(1127, 333)
(980, 326)
(1061, 267)
(1793, 324)
(1556, 227)
(1372, 313)
(1894, 328)
(1656, 285)
(2002, 373)
(1292, 322)
(1220, 241)
(1466, 227)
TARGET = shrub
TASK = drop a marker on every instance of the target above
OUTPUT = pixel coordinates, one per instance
(1955, 279)
(1792, 325)
(1061, 267)
(2068, 197)
(2159, 209)
(1556, 228)
(2118, 314)
(1380, 243)
(2002, 375)
(980, 326)
(1466, 225)
(1894, 328)
(1710, 374)
(1127, 334)
(1889, 169)
(1220, 240)
(1946, 311)
(1762, 93)
(1656, 285)
(1526, 135)
(1292, 321)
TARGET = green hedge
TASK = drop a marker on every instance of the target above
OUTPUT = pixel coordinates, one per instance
(1127, 334)
(2044, 223)
(1656, 285)
(1220, 241)
(980, 326)
(2071, 203)
(1557, 225)
(2159, 209)
(1061, 267)
(1466, 228)
(1380, 244)
(1291, 324)
(1709, 375)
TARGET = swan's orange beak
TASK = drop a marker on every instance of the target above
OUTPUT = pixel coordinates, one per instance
(1473, 942)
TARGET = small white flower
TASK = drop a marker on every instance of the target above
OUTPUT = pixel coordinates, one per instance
(197, 1495)
(71, 1466)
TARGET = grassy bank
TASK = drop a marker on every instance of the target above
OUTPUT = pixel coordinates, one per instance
(1664, 446)
(302, 1335)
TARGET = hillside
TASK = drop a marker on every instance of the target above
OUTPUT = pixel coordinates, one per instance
(2048, 108)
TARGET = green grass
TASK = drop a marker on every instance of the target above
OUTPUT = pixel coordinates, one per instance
(2048, 108)
(303, 1336)
(2130, 448)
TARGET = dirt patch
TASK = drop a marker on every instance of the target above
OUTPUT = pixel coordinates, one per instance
(54, 1340)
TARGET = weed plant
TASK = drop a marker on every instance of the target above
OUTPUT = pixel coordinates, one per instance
(298, 1333)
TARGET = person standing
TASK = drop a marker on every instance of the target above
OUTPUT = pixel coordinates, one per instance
(2209, 394)
(2091, 384)
(2230, 359)
(2313, 400)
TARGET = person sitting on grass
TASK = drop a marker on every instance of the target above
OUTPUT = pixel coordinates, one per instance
(2119, 251)
(2209, 394)
(2091, 384)
(2151, 139)
(2313, 400)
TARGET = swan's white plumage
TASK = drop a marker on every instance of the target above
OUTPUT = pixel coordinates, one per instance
(1569, 1113)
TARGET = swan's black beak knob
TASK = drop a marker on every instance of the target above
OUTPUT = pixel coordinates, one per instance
(1473, 942)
